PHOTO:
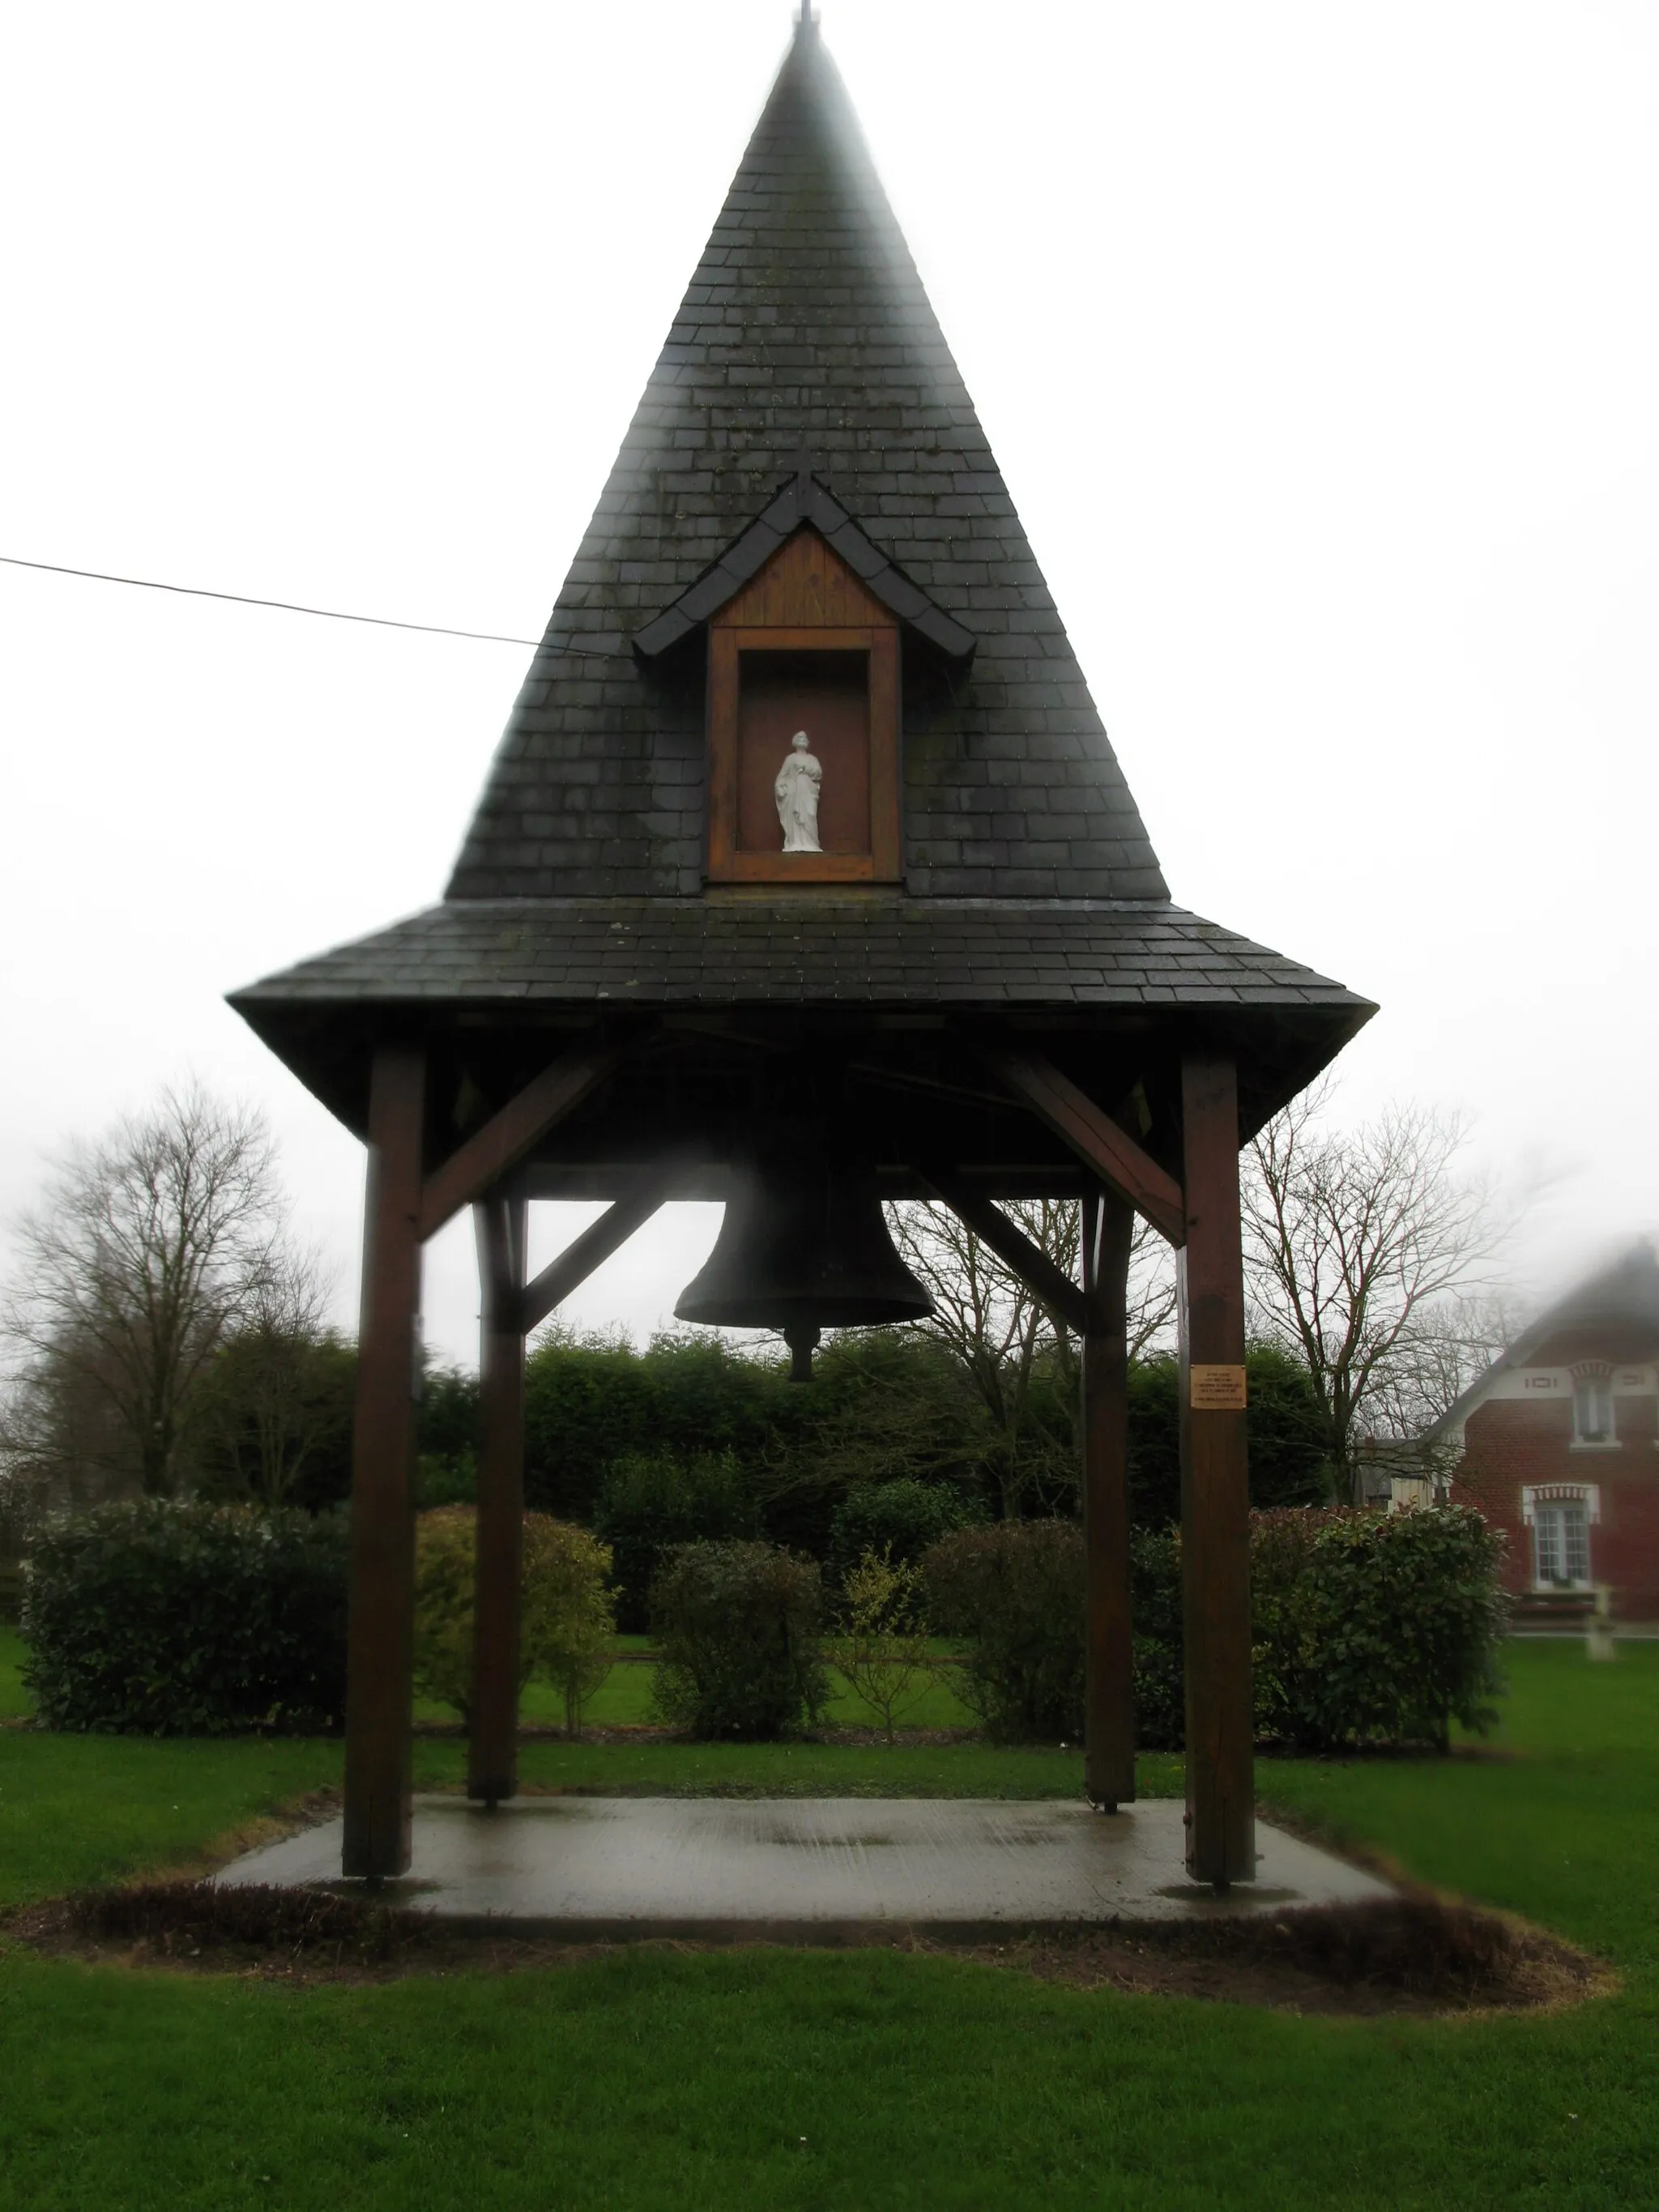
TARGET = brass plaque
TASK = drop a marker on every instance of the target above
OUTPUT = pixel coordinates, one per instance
(1217, 1389)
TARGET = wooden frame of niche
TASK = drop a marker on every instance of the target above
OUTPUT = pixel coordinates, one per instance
(805, 599)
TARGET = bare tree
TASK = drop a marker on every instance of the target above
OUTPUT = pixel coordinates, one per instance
(1009, 1343)
(58, 1439)
(146, 1248)
(271, 1393)
(1361, 1250)
(1451, 1344)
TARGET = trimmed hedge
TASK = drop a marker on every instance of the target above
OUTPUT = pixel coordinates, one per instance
(737, 1626)
(1370, 1631)
(648, 1504)
(899, 1519)
(160, 1619)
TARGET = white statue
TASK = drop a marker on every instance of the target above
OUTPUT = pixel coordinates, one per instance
(797, 793)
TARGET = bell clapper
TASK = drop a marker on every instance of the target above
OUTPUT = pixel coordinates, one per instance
(802, 1340)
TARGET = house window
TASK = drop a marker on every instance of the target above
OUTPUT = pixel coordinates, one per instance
(1592, 1410)
(1560, 1538)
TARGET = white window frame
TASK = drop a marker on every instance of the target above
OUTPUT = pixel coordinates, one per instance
(1593, 1435)
(1553, 1501)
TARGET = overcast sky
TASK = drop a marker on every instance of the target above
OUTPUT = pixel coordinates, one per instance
(1318, 345)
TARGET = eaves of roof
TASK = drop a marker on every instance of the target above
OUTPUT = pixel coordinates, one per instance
(1629, 1289)
(801, 950)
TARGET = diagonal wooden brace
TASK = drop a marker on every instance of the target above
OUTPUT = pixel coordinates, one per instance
(1096, 1140)
(590, 1250)
(474, 1169)
(1049, 1284)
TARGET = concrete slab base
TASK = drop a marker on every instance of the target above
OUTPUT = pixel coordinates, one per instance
(812, 1870)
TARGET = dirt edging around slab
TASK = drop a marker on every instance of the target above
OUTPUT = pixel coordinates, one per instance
(1419, 1954)
(1414, 1955)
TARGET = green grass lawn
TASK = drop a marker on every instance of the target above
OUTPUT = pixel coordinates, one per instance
(13, 1700)
(824, 2081)
(623, 1701)
(80, 1810)
(1566, 1830)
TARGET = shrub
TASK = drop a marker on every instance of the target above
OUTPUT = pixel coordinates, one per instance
(1368, 1629)
(1284, 1613)
(571, 1615)
(1404, 1618)
(446, 1540)
(899, 1519)
(649, 1503)
(883, 1648)
(1155, 1613)
(158, 1618)
(1015, 1591)
(441, 1481)
(589, 1403)
(567, 1621)
(737, 1624)
(1288, 1438)
(1289, 1462)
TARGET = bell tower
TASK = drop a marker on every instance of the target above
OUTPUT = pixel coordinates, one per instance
(805, 877)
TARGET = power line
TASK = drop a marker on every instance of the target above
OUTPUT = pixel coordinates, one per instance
(288, 606)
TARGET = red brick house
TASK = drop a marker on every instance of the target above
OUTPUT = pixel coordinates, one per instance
(1558, 1444)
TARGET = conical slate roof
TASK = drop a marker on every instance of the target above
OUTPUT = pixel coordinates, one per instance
(806, 340)
(806, 382)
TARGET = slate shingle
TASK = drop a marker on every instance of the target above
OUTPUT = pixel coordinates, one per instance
(673, 950)
(805, 361)
(805, 335)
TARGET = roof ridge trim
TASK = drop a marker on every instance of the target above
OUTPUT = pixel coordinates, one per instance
(803, 502)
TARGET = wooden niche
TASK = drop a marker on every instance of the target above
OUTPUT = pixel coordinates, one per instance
(803, 646)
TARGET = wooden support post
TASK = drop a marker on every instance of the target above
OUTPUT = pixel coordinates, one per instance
(1108, 1765)
(380, 1644)
(1215, 1528)
(493, 1754)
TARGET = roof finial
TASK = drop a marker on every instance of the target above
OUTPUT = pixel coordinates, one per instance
(806, 19)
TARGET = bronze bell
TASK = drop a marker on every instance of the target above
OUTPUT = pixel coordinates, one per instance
(803, 1247)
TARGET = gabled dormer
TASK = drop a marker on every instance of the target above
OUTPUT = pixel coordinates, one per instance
(804, 616)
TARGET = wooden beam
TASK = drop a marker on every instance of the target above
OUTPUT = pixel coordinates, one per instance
(1096, 1140)
(380, 1636)
(1109, 1762)
(475, 1168)
(1215, 1523)
(1049, 1284)
(588, 1251)
(493, 1749)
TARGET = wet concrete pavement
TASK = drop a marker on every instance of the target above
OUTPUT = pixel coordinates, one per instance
(806, 1869)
